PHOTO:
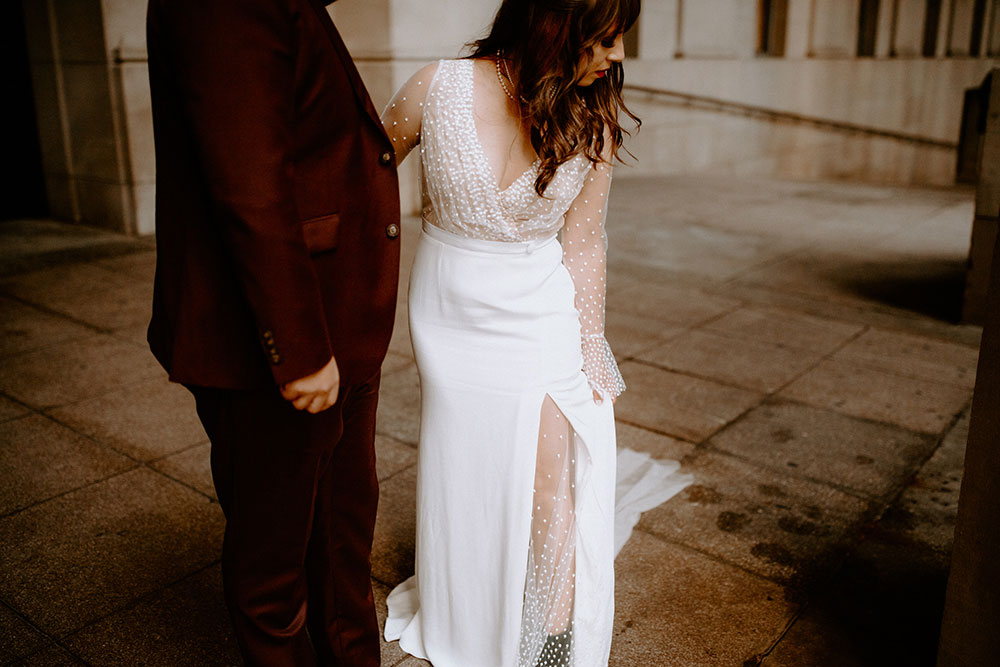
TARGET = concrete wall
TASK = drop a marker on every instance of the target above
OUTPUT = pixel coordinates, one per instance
(89, 70)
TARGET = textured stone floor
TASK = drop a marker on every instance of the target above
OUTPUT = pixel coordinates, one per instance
(792, 342)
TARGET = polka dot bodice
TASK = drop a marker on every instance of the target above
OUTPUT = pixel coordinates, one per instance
(462, 195)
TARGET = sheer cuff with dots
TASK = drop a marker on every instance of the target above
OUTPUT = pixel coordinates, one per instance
(600, 367)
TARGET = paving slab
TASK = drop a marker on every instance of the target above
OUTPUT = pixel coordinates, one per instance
(395, 361)
(71, 372)
(712, 253)
(675, 607)
(869, 278)
(755, 365)
(655, 444)
(845, 387)
(916, 356)
(830, 274)
(789, 328)
(28, 245)
(679, 405)
(883, 607)
(85, 554)
(40, 459)
(413, 662)
(781, 527)
(11, 409)
(140, 266)
(395, 529)
(17, 638)
(400, 342)
(61, 283)
(134, 334)
(115, 307)
(399, 405)
(192, 466)
(391, 653)
(926, 512)
(882, 316)
(817, 639)
(24, 328)
(392, 456)
(670, 304)
(146, 421)
(50, 656)
(630, 334)
(183, 624)
(866, 457)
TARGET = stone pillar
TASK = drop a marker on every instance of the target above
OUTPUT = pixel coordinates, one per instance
(658, 30)
(969, 636)
(886, 24)
(992, 32)
(943, 29)
(718, 29)
(834, 28)
(960, 27)
(985, 224)
(79, 95)
(797, 32)
(908, 36)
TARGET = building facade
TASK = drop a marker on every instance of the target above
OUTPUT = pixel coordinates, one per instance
(869, 90)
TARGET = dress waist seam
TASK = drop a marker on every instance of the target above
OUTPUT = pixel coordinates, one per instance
(484, 245)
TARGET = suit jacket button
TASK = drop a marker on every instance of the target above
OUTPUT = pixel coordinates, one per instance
(275, 358)
(392, 231)
(385, 158)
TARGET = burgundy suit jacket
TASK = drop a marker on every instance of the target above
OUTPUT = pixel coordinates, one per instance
(277, 207)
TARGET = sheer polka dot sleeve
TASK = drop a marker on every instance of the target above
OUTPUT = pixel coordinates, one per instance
(403, 115)
(585, 257)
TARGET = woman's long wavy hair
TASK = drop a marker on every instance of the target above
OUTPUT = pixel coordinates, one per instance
(542, 43)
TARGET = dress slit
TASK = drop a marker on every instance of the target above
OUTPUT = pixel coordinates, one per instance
(550, 575)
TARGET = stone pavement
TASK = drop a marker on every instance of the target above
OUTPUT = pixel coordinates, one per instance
(792, 342)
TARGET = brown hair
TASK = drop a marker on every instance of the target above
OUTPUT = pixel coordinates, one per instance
(542, 42)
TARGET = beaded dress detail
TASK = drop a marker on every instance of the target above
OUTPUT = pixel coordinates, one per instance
(516, 467)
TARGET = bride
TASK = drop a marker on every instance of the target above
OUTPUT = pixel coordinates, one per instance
(516, 474)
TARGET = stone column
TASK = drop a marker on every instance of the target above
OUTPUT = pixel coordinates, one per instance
(969, 636)
(797, 32)
(79, 121)
(985, 224)
(886, 25)
(658, 30)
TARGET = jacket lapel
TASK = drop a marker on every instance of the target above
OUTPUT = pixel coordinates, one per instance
(345, 57)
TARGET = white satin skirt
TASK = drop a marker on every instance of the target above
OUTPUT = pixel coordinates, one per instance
(514, 565)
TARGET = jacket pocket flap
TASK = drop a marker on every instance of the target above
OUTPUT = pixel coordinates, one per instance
(321, 233)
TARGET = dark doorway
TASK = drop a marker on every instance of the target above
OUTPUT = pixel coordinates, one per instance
(21, 171)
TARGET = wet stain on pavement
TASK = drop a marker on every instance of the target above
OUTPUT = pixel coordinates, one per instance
(699, 493)
(772, 490)
(773, 552)
(731, 522)
(795, 526)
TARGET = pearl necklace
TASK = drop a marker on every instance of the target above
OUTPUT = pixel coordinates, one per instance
(500, 78)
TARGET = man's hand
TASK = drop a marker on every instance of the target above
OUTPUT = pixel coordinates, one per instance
(315, 392)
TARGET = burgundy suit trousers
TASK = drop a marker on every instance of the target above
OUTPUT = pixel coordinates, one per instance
(299, 493)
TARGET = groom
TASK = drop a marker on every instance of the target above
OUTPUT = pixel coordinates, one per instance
(277, 224)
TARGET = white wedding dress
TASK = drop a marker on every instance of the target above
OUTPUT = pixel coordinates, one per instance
(516, 493)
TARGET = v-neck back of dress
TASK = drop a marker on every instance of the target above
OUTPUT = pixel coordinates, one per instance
(464, 195)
